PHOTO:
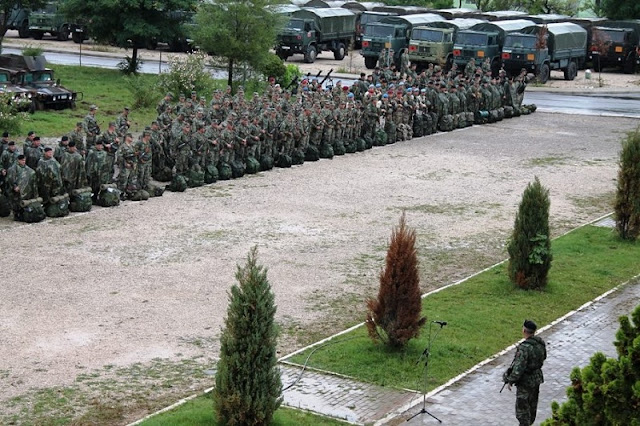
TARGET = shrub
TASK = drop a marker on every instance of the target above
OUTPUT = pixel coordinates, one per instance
(10, 116)
(144, 91)
(30, 50)
(530, 244)
(187, 73)
(607, 391)
(394, 317)
(129, 65)
(627, 204)
(248, 387)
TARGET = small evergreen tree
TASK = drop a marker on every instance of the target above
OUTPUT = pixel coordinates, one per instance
(248, 386)
(607, 391)
(394, 317)
(627, 204)
(530, 244)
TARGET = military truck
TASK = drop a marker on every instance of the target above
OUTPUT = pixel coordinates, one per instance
(433, 43)
(311, 31)
(49, 20)
(19, 20)
(30, 73)
(484, 41)
(20, 97)
(616, 44)
(365, 19)
(392, 32)
(542, 48)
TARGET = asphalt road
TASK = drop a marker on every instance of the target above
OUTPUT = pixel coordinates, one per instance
(601, 104)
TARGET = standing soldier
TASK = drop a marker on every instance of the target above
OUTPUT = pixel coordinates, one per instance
(49, 177)
(164, 103)
(21, 184)
(90, 127)
(98, 170)
(144, 157)
(110, 143)
(34, 153)
(123, 123)
(62, 147)
(198, 144)
(182, 149)
(28, 142)
(4, 142)
(74, 174)
(158, 146)
(76, 136)
(127, 162)
(526, 373)
(8, 158)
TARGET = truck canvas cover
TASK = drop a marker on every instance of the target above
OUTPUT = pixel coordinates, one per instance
(502, 27)
(457, 24)
(562, 36)
(329, 27)
(412, 20)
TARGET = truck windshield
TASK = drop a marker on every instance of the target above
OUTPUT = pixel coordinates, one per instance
(427, 35)
(296, 24)
(613, 36)
(477, 39)
(4, 78)
(378, 31)
(518, 41)
(366, 18)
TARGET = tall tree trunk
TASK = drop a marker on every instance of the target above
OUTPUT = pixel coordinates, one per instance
(230, 72)
(134, 60)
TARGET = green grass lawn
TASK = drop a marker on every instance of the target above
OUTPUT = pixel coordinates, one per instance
(105, 88)
(484, 314)
(199, 412)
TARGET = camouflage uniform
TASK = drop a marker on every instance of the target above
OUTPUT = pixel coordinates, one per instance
(123, 123)
(91, 129)
(110, 142)
(144, 156)
(74, 174)
(127, 162)
(21, 184)
(34, 153)
(49, 179)
(77, 137)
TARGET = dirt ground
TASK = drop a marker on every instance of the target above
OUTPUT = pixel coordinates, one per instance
(107, 305)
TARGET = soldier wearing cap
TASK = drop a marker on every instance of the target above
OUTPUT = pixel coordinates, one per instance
(61, 148)
(123, 123)
(21, 184)
(90, 126)
(110, 143)
(144, 160)
(76, 136)
(98, 168)
(127, 162)
(49, 177)
(526, 373)
(4, 142)
(164, 103)
(34, 153)
(8, 158)
(74, 175)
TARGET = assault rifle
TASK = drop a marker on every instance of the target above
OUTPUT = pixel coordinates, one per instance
(509, 370)
(325, 77)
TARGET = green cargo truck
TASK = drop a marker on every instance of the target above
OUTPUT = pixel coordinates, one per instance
(311, 31)
(433, 43)
(484, 41)
(49, 20)
(616, 44)
(392, 32)
(542, 48)
(19, 20)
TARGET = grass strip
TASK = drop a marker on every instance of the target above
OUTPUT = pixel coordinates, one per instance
(484, 314)
(199, 411)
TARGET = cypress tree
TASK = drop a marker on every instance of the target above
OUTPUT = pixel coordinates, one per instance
(248, 386)
(530, 244)
(607, 391)
(627, 204)
(394, 317)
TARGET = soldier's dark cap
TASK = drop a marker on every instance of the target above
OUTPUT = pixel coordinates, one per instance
(126, 108)
(79, 123)
(93, 107)
(169, 94)
(37, 138)
(182, 95)
(147, 127)
(112, 124)
(530, 325)
(5, 134)
(362, 74)
(146, 133)
(65, 138)
(31, 132)
(21, 157)
(47, 149)
(129, 135)
(194, 92)
(11, 143)
(99, 142)
(154, 122)
(72, 144)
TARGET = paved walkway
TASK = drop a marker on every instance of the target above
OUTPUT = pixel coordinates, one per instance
(475, 399)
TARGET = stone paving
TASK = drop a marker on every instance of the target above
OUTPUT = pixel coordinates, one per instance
(474, 399)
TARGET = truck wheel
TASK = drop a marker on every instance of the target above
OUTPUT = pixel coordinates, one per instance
(63, 35)
(37, 35)
(571, 71)
(338, 54)
(311, 54)
(282, 54)
(543, 73)
(23, 31)
(370, 62)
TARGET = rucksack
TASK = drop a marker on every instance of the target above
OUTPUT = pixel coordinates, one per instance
(237, 169)
(5, 206)
(210, 174)
(109, 195)
(195, 177)
(163, 175)
(178, 184)
(252, 166)
(284, 160)
(326, 151)
(80, 200)
(139, 195)
(155, 190)
(58, 206)
(224, 171)
(312, 153)
(31, 211)
(297, 157)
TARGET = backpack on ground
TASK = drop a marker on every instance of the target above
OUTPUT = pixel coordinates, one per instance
(58, 206)
(178, 184)
(210, 174)
(195, 177)
(139, 195)
(80, 200)
(5, 206)
(31, 211)
(109, 196)
(252, 166)
(155, 190)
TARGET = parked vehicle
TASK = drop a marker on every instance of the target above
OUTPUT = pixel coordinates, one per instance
(616, 44)
(311, 31)
(542, 48)
(49, 20)
(367, 18)
(19, 19)
(20, 97)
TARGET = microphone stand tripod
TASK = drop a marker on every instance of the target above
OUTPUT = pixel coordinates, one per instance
(425, 370)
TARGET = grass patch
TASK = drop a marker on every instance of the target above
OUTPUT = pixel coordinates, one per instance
(199, 411)
(103, 87)
(546, 161)
(484, 313)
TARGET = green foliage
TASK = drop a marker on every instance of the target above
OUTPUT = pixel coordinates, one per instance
(627, 204)
(238, 31)
(433, 4)
(590, 254)
(394, 317)
(130, 65)
(187, 73)
(530, 245)
(145, 91)
(32, 51)
(11, 118)
(620, 9)
(564, 7)
(248, 387)
(607, 391)
(273, 66)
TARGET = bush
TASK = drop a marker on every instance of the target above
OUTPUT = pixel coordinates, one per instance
(530, 244)
(130, 65)
(607, 391)
(144, 91)
(248, 387)
(187, 73)
(32, 51)
(394, 317)
(627, 204)
(273, 66)
(10, 117)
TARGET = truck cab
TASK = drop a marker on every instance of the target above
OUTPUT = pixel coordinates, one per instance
(478, 45)
(49, 20)
(614, 47)
(430, 45)
(520, 51)
(19, 19)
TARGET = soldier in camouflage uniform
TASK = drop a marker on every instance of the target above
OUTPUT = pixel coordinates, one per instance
(21, 183)
(34, 153)
(62, 147)
(181, 149)
(123, 123)
(90, 127)
(97, 168)
(110, 143)
(526, 373)
(49, 177)
(164, 103)
(8, 158)
(74, 175)
(127, 162)
(144, 157)
(77, 136)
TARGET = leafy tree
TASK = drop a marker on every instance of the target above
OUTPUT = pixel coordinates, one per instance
(6, 8)
(620, 9)
(433, 4)
(248, 387)
(130, 23)
(607, 391)
(530, 244)
(627, 204)
(187, 73)
(394, 317)
(240, 31)
(564, 7)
